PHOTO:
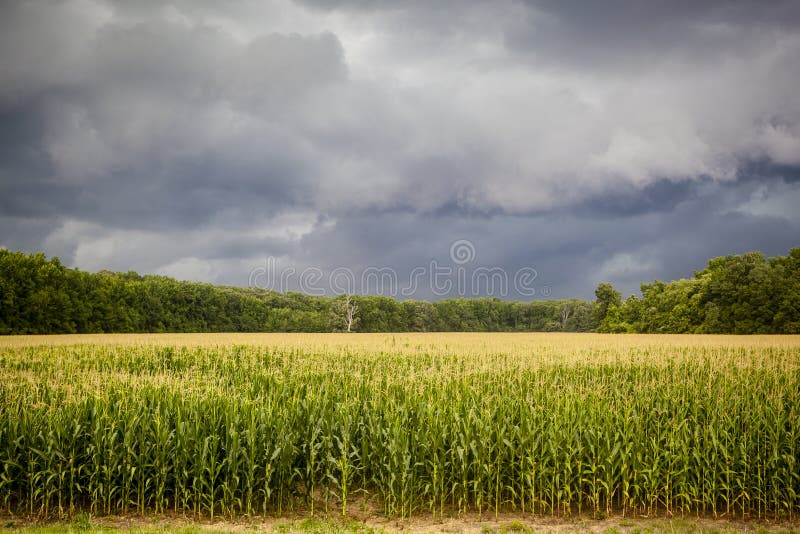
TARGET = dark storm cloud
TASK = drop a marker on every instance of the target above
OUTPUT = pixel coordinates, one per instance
(765, 170)
(620, 141)
(165, 126)
(627, 32)
(571, 250)
(660, 196)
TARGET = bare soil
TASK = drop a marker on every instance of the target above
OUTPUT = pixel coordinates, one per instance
(470, 523)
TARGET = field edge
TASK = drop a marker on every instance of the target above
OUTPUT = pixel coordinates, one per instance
(470, 523)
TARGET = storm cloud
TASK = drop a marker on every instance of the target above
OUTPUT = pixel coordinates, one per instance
(619, 141)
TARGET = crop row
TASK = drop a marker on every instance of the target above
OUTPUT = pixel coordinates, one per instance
(433, 434)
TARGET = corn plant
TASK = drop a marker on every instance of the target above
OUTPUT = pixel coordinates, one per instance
(436, 423)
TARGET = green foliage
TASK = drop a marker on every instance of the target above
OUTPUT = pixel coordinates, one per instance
(42, 296)
(745, 294)
(235, 430)
(607, 297)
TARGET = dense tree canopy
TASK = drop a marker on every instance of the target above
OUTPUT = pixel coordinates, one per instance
(734, 294)
(747, 294)
(38, 295)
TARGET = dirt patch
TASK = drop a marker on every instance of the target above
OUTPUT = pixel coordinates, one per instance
(506, 523)
(462, 524)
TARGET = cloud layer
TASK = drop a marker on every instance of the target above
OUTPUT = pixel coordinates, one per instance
(619, 142)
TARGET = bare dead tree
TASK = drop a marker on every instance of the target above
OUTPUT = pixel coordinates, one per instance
(566, 311)
(351, 309)
(344, 313)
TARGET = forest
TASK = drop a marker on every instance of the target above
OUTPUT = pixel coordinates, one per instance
(740, 294)
(744, 294)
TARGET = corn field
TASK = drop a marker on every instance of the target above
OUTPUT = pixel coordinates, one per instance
(404, 424)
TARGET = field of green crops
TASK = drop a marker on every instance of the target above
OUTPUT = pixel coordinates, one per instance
(401, 424)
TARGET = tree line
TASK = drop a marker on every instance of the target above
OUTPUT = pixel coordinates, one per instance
(737, 294)
(745, 294)
(41, 295)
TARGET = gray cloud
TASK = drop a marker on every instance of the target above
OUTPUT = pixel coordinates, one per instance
(620, 142)
(630, 34)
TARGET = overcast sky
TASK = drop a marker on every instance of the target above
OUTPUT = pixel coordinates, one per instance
(617, 141)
